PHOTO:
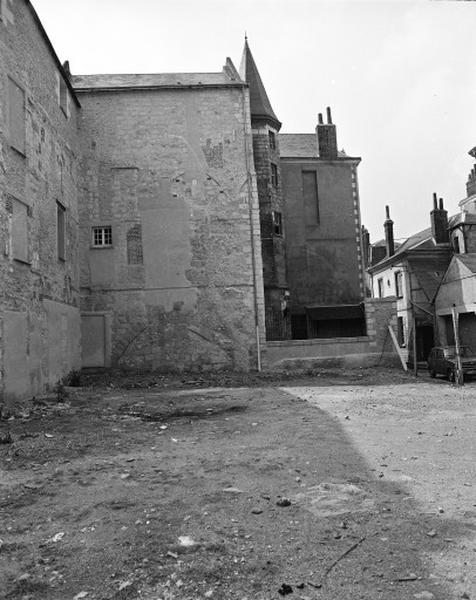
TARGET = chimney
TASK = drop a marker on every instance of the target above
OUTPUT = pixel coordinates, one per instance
(67, 69)
(471, 183)
(388, 226)
(439, 222)
(326, 137)
(365, 245)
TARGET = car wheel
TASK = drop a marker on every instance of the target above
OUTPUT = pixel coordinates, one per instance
(451, 375)
(432, 373)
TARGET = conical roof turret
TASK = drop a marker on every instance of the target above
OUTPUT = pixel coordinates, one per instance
(260, 105)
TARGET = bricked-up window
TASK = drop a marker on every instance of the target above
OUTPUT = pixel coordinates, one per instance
(272, 140)
(277, 223)
(135, 253)
(274, 175)
(310, 197)
(399, 284)
(18, 212)
(60, 230)
(102, 237)
(380, 287)
(16, 116)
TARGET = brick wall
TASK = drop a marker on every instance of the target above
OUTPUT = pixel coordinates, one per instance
(33, 179)
(172, 165)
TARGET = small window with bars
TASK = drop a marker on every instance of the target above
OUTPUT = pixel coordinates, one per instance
(102, 237)
(272, 140)
(274, 175)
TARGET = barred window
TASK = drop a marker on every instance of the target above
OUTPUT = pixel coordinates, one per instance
(102, 236)
(274, 175)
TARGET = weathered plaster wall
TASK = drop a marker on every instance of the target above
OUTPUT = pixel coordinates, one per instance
(168, 171)
(323, 255)
(37, 292)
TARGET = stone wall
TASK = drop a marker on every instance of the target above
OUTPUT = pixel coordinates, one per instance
(169, 171)
(273, 242)
(39, 293)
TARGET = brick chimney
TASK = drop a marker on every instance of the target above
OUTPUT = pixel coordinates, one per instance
(471, 183)
(439, 222)
(326, 137)
(388, 226)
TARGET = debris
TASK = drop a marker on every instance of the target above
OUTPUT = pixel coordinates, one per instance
(209, 594)
(343, 525)
(409, 577)
(48, 435)
(343, 555)
(174, 440)
(431, 533)
(57, 537)
(424, 595)
(172, 554)
(347, 418)
(315, 585)
(124, 585)
(285, 589)
(440, 509)
(300, 586)
(256, 511)
(233, 490)
(125, 475)
(163, 427)
(80, 595)
(283, 502)
(465, 595)
(6, 438)
(186, 540)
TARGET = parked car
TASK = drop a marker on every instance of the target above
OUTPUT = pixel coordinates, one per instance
(442, 361)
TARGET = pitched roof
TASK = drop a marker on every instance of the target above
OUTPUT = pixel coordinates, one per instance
(259, 102)
(300, 145)
(469, 260)
(417, 239)
(151, 80)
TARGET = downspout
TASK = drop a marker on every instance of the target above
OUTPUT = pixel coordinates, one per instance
(248, 153)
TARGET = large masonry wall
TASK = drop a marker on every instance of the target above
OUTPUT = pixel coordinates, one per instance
(323, 242)
(167, 170)
(39, 293)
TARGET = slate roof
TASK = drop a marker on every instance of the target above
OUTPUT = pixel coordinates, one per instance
(300, 145)
(469, 260)
(417, 239)
(259, 102)
(151, 80)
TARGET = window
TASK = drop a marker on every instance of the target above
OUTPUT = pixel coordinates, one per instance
(399, 284)
(277, 223)
(272, 140)
(456, 244)
(19, 231)
(6, 11)
(102, 237)
(380, 287)
(400, 331)
(310, 197)
(135, 252)
(16, 116)
(60, 230)
(274, 175)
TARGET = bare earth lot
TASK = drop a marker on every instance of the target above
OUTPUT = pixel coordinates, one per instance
(338, 486)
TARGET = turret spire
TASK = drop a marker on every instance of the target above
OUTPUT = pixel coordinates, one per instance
(260, 105)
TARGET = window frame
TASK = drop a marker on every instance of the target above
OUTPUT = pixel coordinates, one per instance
(274, 175)
(399, 284)
(20, 148)
(106, 236)
(380, 287)
(277, 221)
(272, 139)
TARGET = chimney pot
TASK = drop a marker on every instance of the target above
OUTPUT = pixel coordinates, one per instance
(320, 119)
(441, 204)
(329, 116)
(435, 201)
(388, 226)
(387, 212)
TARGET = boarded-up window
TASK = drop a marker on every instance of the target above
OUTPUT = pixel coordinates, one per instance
(16, 116)
(135, 255)
(19, 215)
(311, 199)
(60, 230)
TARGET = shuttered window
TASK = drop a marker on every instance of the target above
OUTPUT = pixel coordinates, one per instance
(16, 116)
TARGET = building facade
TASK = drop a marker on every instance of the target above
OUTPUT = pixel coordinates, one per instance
(39, 177)
(155, 221)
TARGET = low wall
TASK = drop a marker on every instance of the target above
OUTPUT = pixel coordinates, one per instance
(363, 351)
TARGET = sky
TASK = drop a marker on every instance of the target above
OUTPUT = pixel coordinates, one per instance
(400, 77)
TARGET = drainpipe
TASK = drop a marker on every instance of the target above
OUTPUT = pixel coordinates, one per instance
(248, 153)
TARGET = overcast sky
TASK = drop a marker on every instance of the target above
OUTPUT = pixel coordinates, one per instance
(400, 77)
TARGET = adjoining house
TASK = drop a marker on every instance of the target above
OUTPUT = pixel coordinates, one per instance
(457, 292)
(411, 272)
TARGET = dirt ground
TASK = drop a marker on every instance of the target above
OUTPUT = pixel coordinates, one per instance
(335, 486)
